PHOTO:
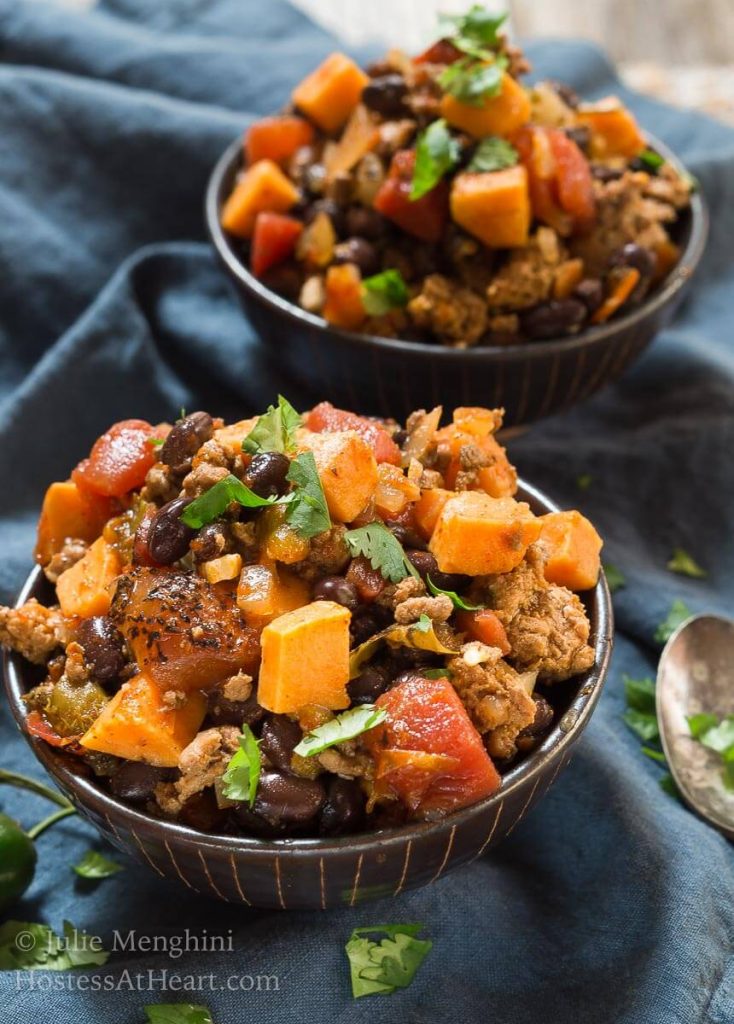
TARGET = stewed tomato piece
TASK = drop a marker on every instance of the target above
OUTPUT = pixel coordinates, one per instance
(119, 459)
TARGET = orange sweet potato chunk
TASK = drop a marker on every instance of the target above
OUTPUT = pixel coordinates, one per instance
(347, 469)
(330, 93)
(305, 659)
(344, 306)
(614, 130)
(263, 187)
(494, 206)
(428, 508)
(232, 435)
(476, 534)
(265, 591)
(499, 115)
(69, 512)
(572, 548)
(84, 589)
(138, 726)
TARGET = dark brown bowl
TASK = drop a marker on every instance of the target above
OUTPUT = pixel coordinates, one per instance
(324, 873)
(390, 377)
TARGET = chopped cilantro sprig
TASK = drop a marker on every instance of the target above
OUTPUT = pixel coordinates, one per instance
(240, 780)
(343, 727)
(383, 550)
(380, 968)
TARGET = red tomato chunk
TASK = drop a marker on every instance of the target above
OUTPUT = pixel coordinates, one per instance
(425, 218)
(119, 460)
(274, 240)
(325, 419)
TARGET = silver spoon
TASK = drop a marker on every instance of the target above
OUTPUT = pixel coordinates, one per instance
(696, 674)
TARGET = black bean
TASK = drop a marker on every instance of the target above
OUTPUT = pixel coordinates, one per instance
(266, 474)
(288, 798)
(366, 622)
(603, 173)
(427, 565)
(169, 537)
(202, 812)
(636, 256)
(406, 676)
(365, 222)
(410, 659)
(581, 135)
(286, 280)
(360, 252)
(590, 291)
(569, 96)
(343, 811)
(279, 738)
(386, 95)
(338, 589)
(211, 541)
(340, 188)
(185, 439)
(104, 648)
(314, 179)
(135, 781)
(543, 718)
(553, 319)
(368, 685)
(333, 212)
(223, 711)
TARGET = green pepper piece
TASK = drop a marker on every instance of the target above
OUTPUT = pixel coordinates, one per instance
(17, 861)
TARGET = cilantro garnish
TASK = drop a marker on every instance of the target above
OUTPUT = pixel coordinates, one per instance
(96, 865)
(651, 159)
(437, 673)
(343, 727)
(384, 551)
(679, 612)
(36, 947)
(275, 431)
(307, 511)
(458, 602)
(493, 154)
(475, 33)
(473, 81)
(178, 1013)
(640, 715)
(615, 579)
(156, 442)
(383, 292)
(717, 735)
(241, 778)
(379, 968)
(584, 481)
(212, 503)
(682, 563)
(436, 152)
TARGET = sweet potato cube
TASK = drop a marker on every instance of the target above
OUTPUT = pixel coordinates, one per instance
(494, 206)
(428, 508)
(330, 93)
(276, 138)
(499, 115)
(265, 592)
(614, 130)
(84, 589)
(137, 725)
(69, 512)
(347, 469)
(343, 306)
(572, 548)
(232, 435)
(476, 534)
(262, 187)
(305, 659)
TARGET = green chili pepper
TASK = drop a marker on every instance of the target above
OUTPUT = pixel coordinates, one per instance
(17, 850)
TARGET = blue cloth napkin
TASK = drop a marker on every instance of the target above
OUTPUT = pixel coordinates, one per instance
(611, 902)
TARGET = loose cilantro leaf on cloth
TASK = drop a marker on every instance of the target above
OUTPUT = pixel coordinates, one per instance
(682, 563)
(242, 776)
(679, 612)
(307, 512)
(493, 154)
(275, 431)
(96, 865)
(640, 715)
(436, 152)
(458, 602)
(654, 755)
(473, 81)
(667, 784)
(212, 503)
(644, 724)
(379, 968)
(178, 1013)
(383, 549)
(651, 159)
(584, 481)
(615, 579)
(343, 727)
(383, 292)
(36, 947)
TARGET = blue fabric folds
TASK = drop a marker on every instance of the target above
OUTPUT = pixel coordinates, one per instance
(611, 903)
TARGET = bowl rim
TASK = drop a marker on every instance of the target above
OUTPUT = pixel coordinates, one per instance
(675, 281)
(85, 791)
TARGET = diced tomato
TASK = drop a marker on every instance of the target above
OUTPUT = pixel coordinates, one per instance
(484, 626)
(442, 52)
(426, 716)
(559, 178)
(37, 726)
(369, 582)
(425, 218)
(119, 460)
(276, 138)
(325, 419)
(273, 241)
(573, 179)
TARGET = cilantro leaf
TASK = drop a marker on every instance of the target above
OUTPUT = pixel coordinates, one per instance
(437, 673)
(157, 442)
(667, 784)
(584, 481)
(700, 724)
(275, 431)
(343, 727)
(472, 82)
(643, 723)
(719, 737)
(379, 968)
(240, 780)
(493, 154)
(36, 947)
(473, 32)
(96, 865)
(307, 512)
(436, 152)
(178, 1013)
(679, 612)
(651, 159)
(615, 579)
(640, 693)
(384, 551)
(424, 624)
(212, 503)
(458, 602)
(654, 755)
(682, 563)
(383, 292)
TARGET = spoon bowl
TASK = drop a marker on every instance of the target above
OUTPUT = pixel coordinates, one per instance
(696, 674)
